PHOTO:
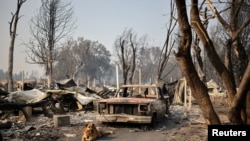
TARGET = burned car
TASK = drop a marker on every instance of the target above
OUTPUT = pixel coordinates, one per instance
(139, 104)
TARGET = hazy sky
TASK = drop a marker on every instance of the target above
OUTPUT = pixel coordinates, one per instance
(96, 20)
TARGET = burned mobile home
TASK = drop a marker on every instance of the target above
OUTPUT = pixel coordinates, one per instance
(49, 101)
(141, 104)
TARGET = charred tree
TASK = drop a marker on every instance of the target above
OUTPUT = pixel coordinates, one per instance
(234, 30)
(53, 22)
(13, 30)
(168, 44)
(199, 90)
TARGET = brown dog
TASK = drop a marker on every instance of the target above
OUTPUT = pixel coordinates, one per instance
(91, 132)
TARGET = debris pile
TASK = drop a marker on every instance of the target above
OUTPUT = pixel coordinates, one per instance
(19, 108)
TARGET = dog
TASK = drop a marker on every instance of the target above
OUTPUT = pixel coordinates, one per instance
(91, 132)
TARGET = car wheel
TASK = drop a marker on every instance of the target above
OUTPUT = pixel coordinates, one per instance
(49, 109)
(153, 121)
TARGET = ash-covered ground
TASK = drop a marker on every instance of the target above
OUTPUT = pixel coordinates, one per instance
(179, 126)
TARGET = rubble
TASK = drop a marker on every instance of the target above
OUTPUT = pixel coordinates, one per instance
(19, 108)
(42, 127)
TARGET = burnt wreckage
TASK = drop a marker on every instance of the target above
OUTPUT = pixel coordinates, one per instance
(67, 97)
(142, 104)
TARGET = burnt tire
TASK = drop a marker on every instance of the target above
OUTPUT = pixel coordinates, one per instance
(153, 121)
(49, 109)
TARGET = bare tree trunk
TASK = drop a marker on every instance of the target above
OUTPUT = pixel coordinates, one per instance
(239, 103)
(10, 68)
(199, 90)
(197, 53)
(13, 29)
(228, 60)
(248, 107)
(133, 60)
(50, 74)
(237, 47)
(125, 67)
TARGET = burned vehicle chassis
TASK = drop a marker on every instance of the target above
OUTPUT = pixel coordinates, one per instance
(137, 104)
